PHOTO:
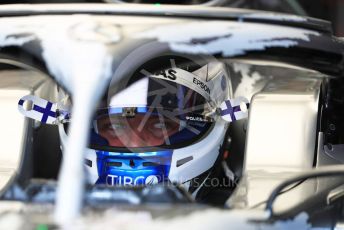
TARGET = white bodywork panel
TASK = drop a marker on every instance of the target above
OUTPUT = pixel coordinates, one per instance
(282, 126)
(281, 141)
(13, 86)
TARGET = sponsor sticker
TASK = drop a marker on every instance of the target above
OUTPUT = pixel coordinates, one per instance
(130, 181)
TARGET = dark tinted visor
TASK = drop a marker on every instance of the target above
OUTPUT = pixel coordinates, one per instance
(147, 127)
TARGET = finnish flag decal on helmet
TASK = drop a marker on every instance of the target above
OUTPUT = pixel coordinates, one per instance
(38, 109)
(231, 110)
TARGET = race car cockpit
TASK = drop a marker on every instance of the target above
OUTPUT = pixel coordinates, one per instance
(110, 109)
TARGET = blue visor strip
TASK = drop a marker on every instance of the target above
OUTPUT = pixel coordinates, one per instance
(142, 109)
(119, 110)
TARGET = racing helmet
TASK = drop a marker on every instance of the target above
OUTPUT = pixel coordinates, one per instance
(163, 126)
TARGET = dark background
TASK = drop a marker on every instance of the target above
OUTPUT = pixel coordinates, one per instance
(332, 10)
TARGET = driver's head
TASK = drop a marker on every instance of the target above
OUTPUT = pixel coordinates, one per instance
(131, 132)
(162, 126)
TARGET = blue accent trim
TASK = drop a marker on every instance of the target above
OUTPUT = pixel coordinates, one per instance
(142, 109)
(115, 110)
(116, 168)
(21, 102)
(65, 114)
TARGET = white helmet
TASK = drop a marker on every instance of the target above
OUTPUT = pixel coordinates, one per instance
(164, 126)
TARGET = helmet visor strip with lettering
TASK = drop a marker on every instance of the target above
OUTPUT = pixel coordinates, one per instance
(172, 108)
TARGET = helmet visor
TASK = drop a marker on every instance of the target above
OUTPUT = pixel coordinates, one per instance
(153, 112)
(147, 127)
